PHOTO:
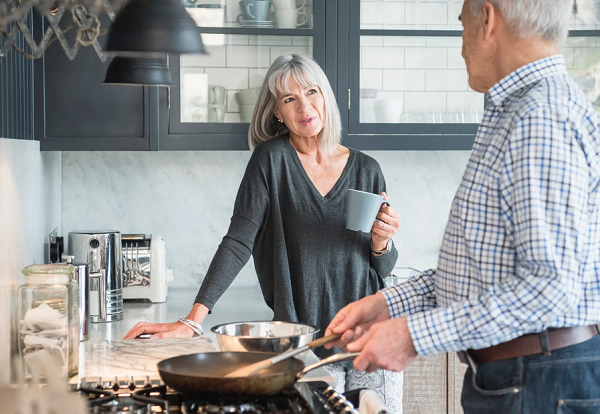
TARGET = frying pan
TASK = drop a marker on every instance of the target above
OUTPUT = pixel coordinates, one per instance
(205, 373)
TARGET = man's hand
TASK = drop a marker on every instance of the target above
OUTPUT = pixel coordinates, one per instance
(386, 345)
(357, 317)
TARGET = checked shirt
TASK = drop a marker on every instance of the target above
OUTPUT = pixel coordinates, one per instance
(521, 250)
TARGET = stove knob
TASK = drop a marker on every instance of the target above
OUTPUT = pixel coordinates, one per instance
(328, 392)
(343, 406)
(334, 399)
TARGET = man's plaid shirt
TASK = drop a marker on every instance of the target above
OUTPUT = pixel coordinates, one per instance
(521, 251)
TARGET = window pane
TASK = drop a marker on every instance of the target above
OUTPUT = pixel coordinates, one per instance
(220, 86)
(416, 80)
(585, 15)
(582, 55)
(410, 14)
(282, 14)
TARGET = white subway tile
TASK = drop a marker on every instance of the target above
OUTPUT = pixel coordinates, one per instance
(455, 59)
(233, 118)
(371, 78)
(372, 40)
(236, 39)
(390, 95)
(256, 77)
(446, 80)
(403, 80)
(302, 40)
(270, 40)
(381, 13)
(248, 56)
(444, 42)
(277, 51)
(426, 13)
(404, 41)
(454, 11)
(458, 101)
(425, 58)
(382, 57)
(425, 102)
(214, 58)
(228, 77)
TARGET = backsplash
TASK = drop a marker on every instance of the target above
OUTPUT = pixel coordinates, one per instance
(187, 197)
(29, 211)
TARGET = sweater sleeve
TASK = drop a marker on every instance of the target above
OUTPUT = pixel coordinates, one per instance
(249, 215)
(385, 263)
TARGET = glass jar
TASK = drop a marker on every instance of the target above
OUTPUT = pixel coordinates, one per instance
(48, 322)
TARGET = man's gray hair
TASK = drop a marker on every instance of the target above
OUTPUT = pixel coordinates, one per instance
(306, 72)
(548, 19)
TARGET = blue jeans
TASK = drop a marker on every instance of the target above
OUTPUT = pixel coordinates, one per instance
(565, 382)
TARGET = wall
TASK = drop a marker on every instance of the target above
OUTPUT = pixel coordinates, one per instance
(187, 197)
(29, 211)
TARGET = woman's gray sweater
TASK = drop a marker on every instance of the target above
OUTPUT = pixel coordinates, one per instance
(309, 265)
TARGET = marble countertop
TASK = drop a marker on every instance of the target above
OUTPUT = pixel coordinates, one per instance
(107, 355)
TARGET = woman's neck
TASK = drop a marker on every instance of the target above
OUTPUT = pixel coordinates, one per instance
(308, 146)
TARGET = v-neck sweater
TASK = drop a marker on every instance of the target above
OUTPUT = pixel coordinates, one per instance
(309, 265)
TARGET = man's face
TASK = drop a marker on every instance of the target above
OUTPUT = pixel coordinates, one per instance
(475, 50)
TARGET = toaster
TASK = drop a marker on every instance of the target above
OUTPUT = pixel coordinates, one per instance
(145, 273)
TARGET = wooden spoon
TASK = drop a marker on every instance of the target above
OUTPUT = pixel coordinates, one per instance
(252, 369)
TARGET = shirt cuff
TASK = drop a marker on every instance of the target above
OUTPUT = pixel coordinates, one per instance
(394, 297)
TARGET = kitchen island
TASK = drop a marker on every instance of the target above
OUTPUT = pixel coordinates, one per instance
(107, 355)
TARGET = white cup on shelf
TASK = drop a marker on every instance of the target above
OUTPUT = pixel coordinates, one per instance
(288, 18)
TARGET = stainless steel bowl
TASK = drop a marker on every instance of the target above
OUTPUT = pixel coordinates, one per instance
(263, 336)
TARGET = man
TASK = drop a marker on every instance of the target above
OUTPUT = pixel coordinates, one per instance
(517, 285)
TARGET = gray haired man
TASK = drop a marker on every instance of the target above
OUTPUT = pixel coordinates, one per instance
(517, 287)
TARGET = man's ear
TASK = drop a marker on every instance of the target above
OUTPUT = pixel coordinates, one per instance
(490, 13)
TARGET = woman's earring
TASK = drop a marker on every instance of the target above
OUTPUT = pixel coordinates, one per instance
(280, 121)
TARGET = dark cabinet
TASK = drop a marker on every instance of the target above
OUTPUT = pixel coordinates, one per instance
(74, 111)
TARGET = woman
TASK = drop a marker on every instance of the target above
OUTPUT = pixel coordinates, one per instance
(290, 215)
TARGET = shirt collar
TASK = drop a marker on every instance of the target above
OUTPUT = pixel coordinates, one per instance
(526, 75)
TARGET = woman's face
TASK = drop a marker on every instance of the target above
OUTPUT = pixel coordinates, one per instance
(302, 110)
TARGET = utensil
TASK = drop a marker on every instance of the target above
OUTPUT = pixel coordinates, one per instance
(253, 369)
(263, 336)
(205, 373)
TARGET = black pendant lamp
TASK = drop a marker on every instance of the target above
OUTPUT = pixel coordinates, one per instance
(154, 26)
(138, 71)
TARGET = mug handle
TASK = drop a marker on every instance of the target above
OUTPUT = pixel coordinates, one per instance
(248, 6)
(305, 18)
(240, 16)
(303, 4)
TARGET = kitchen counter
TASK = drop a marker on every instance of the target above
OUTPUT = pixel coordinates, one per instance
(105, 354)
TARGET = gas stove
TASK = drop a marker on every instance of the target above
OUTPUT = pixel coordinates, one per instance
(135, 395)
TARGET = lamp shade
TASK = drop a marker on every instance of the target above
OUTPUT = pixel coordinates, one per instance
(154, 26)
(138, 71)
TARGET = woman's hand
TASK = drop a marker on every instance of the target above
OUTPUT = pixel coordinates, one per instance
(385, 227)
(169, 330)
(160, 330)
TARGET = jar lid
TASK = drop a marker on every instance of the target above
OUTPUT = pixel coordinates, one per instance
(48, 273)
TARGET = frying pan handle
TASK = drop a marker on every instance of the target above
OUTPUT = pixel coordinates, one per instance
(329, 360)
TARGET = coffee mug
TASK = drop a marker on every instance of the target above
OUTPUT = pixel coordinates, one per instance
(258, 10)
(216, 113)
(287, 4)
(387, 110)
(247, 96)
(288, 18)
(216, 95)
(361, 210)
(246, 112)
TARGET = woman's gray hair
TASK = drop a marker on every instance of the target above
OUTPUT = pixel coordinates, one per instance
(548, 19)
(306, 72)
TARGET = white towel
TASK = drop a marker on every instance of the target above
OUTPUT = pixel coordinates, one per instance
(370, 403)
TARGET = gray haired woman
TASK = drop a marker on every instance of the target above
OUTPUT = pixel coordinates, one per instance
(289, 215)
